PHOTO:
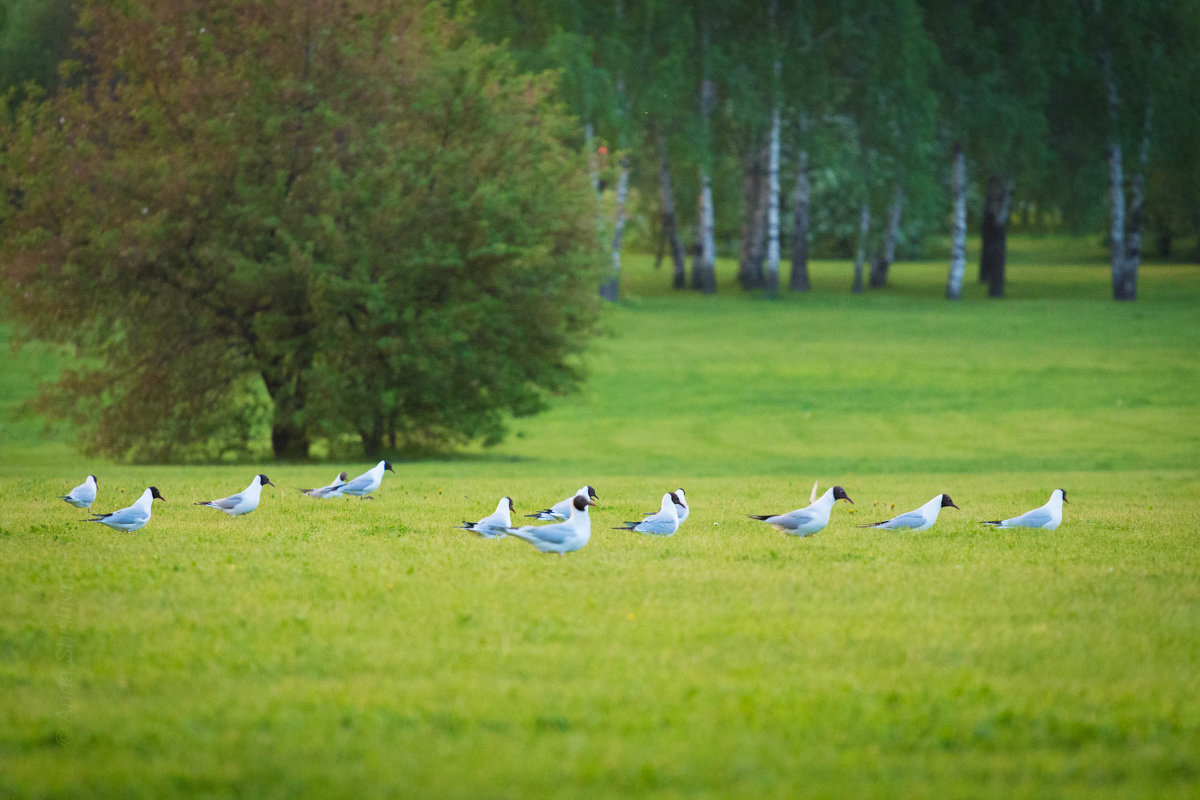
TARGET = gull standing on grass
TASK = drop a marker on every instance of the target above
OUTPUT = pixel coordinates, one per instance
(243, 502)
(83, 495)
(562, 509)
(920, 520)
(663, 522)
(809, 519)
(326, 491)
(364, 484)
(134, 517)
(494, 525)
(1048, 516)
(560, 537)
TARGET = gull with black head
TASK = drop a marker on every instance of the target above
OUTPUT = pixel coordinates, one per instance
(494, 525)
(810, 519)
(134, 517)
(921, 519)
(560, 537)
(1047, 517)
(83, 495)
(244, 501)
(562, 509)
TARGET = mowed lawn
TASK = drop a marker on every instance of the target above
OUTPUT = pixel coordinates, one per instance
(368, 649)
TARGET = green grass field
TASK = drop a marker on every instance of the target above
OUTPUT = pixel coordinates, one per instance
(368, 649)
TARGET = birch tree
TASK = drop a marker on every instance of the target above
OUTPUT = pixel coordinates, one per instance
(958, 229)
(704, 265)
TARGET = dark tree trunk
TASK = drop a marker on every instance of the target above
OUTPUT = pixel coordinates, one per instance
(754, 218)
(801, 195)
(289, 439)
(289, 442)
(993, 256)
(1163, 243)
(372, 442)
(879, 271)
(670, 229)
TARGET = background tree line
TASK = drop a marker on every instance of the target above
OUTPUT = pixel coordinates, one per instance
(855, 127)
(385, 223)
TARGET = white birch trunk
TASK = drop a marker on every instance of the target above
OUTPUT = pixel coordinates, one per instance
(773, 202)
(704, 268)
(708, 242)
(893, 225)
(610, 291)
(1116, 176)
(1137, 212)
(958, 231)
(860, 253)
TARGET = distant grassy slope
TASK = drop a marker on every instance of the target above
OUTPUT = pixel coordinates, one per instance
(367, 649)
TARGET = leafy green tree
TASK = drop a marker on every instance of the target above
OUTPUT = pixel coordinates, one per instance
(345, 220)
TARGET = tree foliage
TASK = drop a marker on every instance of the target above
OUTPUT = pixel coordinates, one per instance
(345, 219)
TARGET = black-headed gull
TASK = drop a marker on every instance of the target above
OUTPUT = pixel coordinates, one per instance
(244, 501)
(1048, 516)
(663, 522)
(562, 509)
(83, 495)
(494, 525)
(919, 520)
(560, 537)
(327, 491)
(681, 506)
(364, 484)
(811, 518)
(134, 517)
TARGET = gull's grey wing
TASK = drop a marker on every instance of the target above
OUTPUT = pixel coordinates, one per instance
(792, 519)
(656, 526)
(910, 519)
(356, 485)
(226, 503)
(1032, 519)
(551, 534)
(126, 516)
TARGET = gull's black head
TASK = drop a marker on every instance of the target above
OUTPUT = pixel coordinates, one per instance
(581, 503)
(1064, 494)
(946, 501)
(154, 495)
(342, 476)
(675, 498)
(591, 493)
(840, 494)
(510, 504)
(264, 480)
(388, 466)
(95, 480)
